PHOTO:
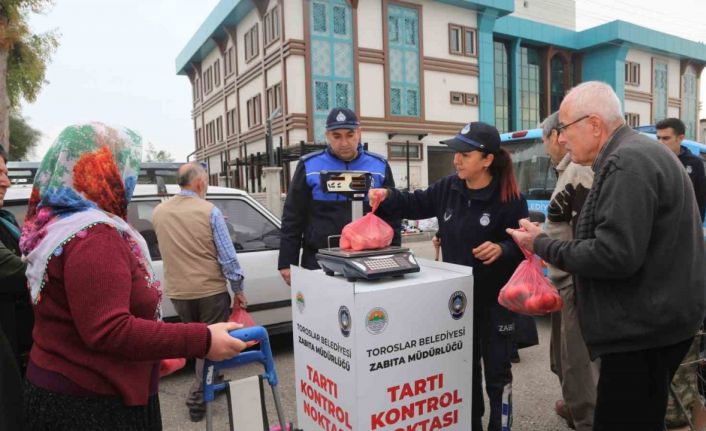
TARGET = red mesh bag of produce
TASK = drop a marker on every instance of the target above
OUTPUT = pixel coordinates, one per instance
(369, 232)
(528, 291)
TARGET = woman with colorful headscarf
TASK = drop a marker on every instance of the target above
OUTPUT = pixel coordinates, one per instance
(97, 335)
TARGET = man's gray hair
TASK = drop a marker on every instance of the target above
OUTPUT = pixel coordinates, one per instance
(550, 123)
(595, 97)
(189, 172)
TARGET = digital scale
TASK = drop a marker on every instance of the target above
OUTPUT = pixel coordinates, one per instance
(390, 261)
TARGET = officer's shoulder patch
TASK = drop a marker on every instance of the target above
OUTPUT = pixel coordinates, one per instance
(310, 155)
(376, 155)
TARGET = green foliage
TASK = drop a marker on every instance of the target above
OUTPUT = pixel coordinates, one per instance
(26, 66)
(152, 155)
(23, 138)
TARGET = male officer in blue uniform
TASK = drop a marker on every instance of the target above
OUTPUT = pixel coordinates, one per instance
(310, 214)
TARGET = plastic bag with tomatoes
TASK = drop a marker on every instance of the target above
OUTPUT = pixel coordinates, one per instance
(528, 291)
(369, 232)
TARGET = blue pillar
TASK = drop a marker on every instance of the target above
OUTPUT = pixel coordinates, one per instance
(607, 64)
(486, 64)
(515, 55)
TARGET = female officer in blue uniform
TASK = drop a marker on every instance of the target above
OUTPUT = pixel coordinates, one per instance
(474, 207)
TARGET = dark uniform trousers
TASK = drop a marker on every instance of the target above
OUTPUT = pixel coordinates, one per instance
(493, 331)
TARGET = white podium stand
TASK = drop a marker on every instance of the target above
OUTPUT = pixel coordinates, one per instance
(387, 355)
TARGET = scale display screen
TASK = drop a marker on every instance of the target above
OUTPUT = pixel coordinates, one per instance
(346, 181)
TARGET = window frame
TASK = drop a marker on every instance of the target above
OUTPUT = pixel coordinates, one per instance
(632, 119)
(252, 43)
(463, 49)
(274, 99)
(456, 98)
(271, 27)
(632, 73)
(418, 145)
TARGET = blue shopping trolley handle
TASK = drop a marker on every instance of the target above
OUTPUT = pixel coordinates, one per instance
(263, 356)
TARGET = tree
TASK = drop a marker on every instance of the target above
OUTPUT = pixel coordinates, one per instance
(23, 138)
(152, 155)
(23, 57)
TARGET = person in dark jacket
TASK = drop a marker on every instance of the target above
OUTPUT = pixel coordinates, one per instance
(637, 257)
(474, 207)
(311, 214)
(670, 132)
(15, 313)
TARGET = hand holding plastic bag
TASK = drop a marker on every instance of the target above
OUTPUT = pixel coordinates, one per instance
(369, 232)
(528, 291)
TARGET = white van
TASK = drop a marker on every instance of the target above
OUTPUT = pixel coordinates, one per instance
(255, 232)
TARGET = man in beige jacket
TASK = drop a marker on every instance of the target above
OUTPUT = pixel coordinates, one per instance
(199, 262)
(568, 353)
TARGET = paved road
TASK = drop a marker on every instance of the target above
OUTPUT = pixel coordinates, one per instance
(535, 387)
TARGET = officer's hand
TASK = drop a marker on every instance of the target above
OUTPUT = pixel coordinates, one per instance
(526, 234)
(240, 301)
(286, 275)
(376, 196)
(223, 346)
(488, 252)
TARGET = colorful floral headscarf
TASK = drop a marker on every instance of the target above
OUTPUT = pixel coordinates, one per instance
(87, 177)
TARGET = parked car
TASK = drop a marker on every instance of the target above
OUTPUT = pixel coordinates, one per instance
(255, 232)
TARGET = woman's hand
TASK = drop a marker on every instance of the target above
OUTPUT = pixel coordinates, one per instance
(376, 196)
(488, 252)
(223, 346)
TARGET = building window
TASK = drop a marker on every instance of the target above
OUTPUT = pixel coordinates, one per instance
(557, 87)
(197, 89)
(632, 73)
(456, 98)
(217, 73)
(398, 151)
(689, 109)
(462, 40)
(271, 23)
(632, 119)
(219, 128)
(332, 68)
(197, 139)
(228, 61)
(274, 98)
(659, 91)
(254, 106)
(530, 87)
(208, 80)
(252, 47)
(403, 37)
(502, 86)
(230, 122)
(470, 99)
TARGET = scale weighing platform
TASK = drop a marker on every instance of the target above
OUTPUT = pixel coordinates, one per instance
(390, 261)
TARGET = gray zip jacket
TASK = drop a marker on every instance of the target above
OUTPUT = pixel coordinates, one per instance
(572, 187)
(638, 256)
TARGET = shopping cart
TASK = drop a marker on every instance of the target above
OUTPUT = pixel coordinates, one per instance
(263, 356)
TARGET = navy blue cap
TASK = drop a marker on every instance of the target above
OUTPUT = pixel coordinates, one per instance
(475, 136)
(342, 118)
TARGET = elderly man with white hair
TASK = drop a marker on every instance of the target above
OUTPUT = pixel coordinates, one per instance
(637, 256)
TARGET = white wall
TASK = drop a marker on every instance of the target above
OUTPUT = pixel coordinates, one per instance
(673, 112)
(645, 61)
(640, 108)
(561, 13)
(296, 86)
(437, 17)
(372, 90)
(293, 14)
(370, 24)
(437, 95)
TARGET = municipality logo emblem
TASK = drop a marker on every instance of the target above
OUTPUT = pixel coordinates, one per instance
(689, 170)
(341, 117)
(457, 304)
(485, 219)
(300, 302)
(344, 320)
(376, 320)
(447, 215)
(466, 129)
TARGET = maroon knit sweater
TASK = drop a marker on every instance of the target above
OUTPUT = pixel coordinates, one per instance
(95, 323)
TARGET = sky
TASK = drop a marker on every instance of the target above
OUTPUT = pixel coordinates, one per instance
(116, 60)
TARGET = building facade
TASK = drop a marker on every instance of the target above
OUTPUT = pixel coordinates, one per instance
(415, 71)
